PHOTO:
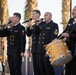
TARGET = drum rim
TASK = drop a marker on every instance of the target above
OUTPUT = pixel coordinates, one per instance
(54, 42)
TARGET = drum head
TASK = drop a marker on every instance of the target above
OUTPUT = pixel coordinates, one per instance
(62, 61)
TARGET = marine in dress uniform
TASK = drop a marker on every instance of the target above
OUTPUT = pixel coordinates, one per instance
(16, 41)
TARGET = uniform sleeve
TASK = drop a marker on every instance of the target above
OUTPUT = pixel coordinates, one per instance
(29, 31)
(72, 36)
(72, 33)
(54, 32)
(22, 39)
(68, 27)
(1, 32)
(5, 32)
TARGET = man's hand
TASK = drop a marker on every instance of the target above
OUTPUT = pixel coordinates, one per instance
(46, 55)
(38, 21)
(55, 40)
(10, 19)
(22, 54)
(28, 24)
(65, 35)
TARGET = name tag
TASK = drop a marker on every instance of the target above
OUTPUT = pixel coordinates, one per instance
(48, 28)
(16, 31)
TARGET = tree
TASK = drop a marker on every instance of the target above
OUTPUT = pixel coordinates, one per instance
(65, 12)
(3, 19)
(3, 11)
(29, 6)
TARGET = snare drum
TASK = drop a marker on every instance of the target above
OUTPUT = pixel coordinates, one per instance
(58, 53)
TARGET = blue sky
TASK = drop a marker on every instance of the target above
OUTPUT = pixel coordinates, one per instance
(53, 6)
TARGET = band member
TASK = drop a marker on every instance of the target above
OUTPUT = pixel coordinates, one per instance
(48, 32)
(35, 36)
(15, 44)
(70, 33)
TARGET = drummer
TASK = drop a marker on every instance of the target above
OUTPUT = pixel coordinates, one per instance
(48, 32)
(70, 33)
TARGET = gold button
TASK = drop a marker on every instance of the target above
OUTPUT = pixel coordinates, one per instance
(43, 33)
(10, 30)
(13, 36)
(12, 39)
(34, 38)
(41, 28)
(39, 38)
(10, 36)
(34, 42)
(12, 43)
(39, 42)
(42, 42)
(40, 34)
(43, 38)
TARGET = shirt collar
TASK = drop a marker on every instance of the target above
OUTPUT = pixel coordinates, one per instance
(16, 24)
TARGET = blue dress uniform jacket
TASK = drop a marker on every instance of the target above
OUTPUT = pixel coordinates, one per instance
(34, 32)
(71, 30)
(15, 39)
(48, 33)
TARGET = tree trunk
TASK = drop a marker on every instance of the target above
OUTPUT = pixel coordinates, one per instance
(65, 12)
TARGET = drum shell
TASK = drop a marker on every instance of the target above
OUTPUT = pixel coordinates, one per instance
(58, 52)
